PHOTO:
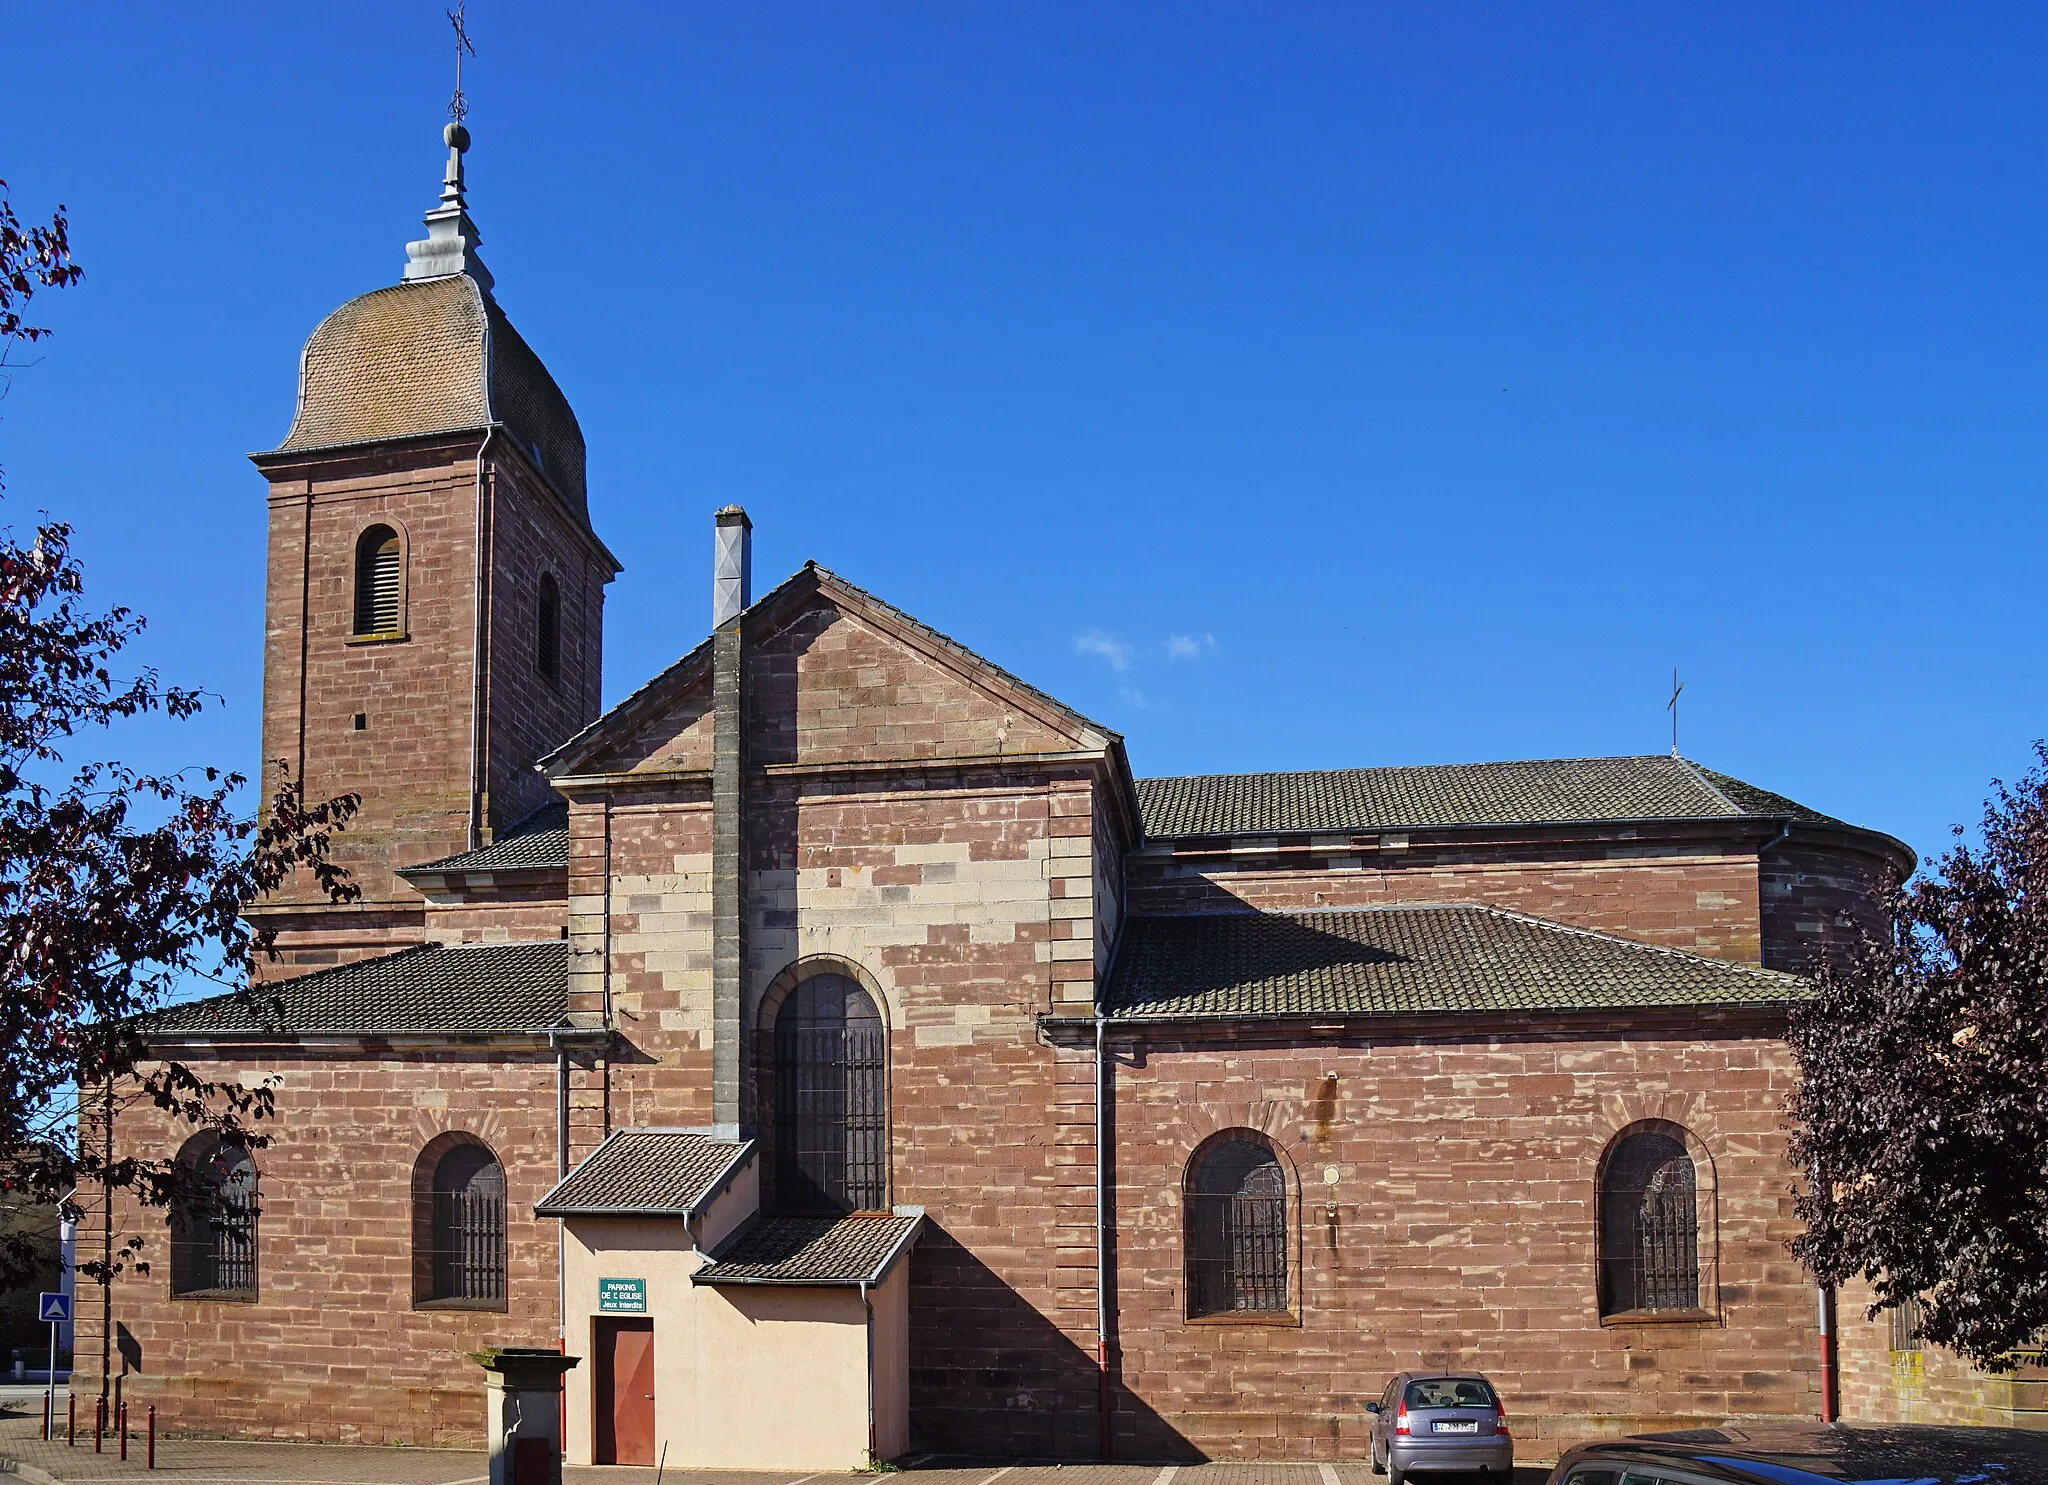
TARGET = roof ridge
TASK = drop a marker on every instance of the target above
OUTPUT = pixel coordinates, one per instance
(1689, 955)
(1706, 783)
(1298, 773)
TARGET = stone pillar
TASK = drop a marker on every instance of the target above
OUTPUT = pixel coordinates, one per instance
(523, 1412)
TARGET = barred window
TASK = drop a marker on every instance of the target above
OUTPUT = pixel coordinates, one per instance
(379, 583)
(213, 1221)
(1906, 1324)
(465, 1226)
(547, 629)
(1649, 1226)
(1236, 1227)
(831, 1099)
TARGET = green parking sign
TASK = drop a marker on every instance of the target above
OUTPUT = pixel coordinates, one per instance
(622, 1296)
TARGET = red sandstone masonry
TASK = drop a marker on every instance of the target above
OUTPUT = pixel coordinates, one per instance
(1702, 901)
(333, 1348)
(411, 763)
(1465, 1235)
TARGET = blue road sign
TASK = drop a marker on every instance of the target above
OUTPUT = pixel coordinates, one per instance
(54, 1308)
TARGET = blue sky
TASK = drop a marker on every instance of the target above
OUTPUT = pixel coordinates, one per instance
(1286, 385)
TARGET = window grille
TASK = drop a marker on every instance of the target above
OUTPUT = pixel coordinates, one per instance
(378, 574)
(547, 629)
(1906, 1324)
(468, 1226)
(213, 1227)
(831, 1099)
(1649, 1227)
(1237, 1228)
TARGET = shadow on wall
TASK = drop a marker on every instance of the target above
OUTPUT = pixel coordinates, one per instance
(991, 1377)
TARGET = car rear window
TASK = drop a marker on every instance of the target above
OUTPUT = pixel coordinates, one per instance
(1450, 1392)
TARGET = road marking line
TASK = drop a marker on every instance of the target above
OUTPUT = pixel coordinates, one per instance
(799, 1480)
(1165, 1476)
(991, 1480)
(1329, 1474)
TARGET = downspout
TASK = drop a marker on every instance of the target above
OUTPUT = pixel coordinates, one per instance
(867, 1304)
(1102, 1398)
(561, 1224)
(1826, 1296)
(477, 803)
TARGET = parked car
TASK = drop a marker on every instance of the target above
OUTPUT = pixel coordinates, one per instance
(1812, 1454)
(1439, 1421)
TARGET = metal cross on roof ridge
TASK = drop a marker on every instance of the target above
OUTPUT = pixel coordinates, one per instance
(458, 106)
(1672, 706)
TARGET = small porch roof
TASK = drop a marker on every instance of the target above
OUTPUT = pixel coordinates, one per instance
(857, 1249)
(649, 1173)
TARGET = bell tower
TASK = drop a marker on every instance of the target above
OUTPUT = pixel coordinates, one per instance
(434, 612)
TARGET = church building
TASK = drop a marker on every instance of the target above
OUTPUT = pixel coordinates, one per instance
(837, 1049)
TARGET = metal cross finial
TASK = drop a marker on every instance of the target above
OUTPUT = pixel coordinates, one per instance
(458, 106)
(1672, 706)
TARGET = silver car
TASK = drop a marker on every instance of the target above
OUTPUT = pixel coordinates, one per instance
(1439, 1421)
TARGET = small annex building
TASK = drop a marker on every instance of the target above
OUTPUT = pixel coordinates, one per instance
(843, 1053)
(782, 1343)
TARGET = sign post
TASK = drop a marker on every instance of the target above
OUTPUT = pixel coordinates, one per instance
(55, 1308)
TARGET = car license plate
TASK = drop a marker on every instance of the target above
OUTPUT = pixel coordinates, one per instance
(1454, 1425)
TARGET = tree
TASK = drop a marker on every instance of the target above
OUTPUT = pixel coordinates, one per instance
(1922, 1113)
(119, 887)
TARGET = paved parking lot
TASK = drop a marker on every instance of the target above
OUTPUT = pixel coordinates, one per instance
(207, 1462)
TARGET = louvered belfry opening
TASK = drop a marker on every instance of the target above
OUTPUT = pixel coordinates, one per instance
(468, 1226)
(378, 582)
(213, 1225)
(831, 1099)
(1649, 1227)
(1236, 1228)
(547, 629)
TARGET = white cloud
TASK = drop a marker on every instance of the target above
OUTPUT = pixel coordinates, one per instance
(1103, 646)
(1189, 646)
(1133, 697)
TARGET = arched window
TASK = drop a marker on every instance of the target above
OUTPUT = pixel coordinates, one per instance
(1649, 1226)
(459, 1224)
(1236, 1217)
(831, 1099)
(547, 629)
(213, 1221)
(379, 583)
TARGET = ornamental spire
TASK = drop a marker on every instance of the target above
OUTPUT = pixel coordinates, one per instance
(451, 241)
(452, 238)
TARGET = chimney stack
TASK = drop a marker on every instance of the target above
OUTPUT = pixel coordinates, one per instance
(732, 578)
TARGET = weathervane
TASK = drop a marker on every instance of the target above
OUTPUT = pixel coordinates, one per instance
(1672, 707)
(458, 106)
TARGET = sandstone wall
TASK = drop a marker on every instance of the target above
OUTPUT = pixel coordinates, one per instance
(334, 1346)
(1462, 1175)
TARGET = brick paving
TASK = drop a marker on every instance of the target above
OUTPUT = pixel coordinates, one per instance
(24, 1456)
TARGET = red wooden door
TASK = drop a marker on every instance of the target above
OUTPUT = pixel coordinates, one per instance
(625, 1392)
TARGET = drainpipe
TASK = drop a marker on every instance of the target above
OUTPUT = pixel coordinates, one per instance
(561, 1224)
(867, 1304)
(479, 785)
(1102, 1398)
(1826, 1296)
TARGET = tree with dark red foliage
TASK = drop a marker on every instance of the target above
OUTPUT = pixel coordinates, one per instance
(1922, 1113)
(119, 888)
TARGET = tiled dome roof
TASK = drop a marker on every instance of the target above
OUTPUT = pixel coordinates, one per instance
(433, 355)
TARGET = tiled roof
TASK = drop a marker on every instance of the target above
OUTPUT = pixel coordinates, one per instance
(1536, 791)
(433, 356)
(1406, 960)
(813, 1250)
(430, 988)
(540, 841)
(647, 1173)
